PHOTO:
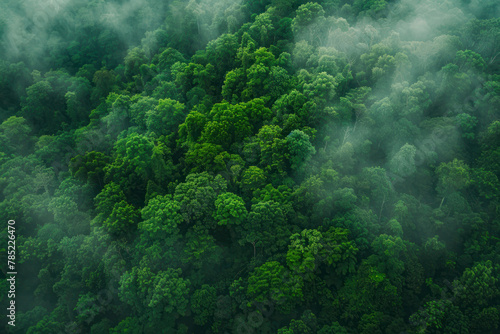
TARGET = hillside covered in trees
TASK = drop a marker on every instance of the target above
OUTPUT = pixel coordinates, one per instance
(251, 166)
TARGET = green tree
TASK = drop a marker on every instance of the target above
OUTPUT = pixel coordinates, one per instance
(371, 7)
(273, 150)
(229, 209)
(202, 157)
(78, 101)
(307, 21)
(197, 196)
(366, 292)
(252, 179)
(133, 61)
(321, 88)
(50, 323)
(231, 123)
(486, 182)
(131, 167)
(67, 215)
(403, 162)
(90, 168)
(469, 60)
(305, 14)
(490, 147)
(160, 217)
(300, 148)
(165, 117)
(266, 228)
(234, 83)
(477, 286)
(15, 135)
(128, 325)
(139, 107)
(453, 176)
(309, 249)
(193, 125)
(203, 303)
(467, 124)
(381, 189)
(155, 294)
(122, 219)
(106, 200)
(228, 124)
(105, 82)
(202, 251)
(271, 281)
(169, 57)
(43, 108)
(389, 255)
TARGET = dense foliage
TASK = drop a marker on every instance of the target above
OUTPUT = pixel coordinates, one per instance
(254, 166)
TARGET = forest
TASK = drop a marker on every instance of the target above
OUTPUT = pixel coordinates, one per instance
(250, 166)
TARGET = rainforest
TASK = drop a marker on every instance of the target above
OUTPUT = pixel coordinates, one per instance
(250, 166)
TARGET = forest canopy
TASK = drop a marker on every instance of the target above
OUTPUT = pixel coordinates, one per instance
(251, 166)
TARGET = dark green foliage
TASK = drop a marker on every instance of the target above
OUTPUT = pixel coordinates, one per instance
(15, 135)
(165, 117)
(272, 282)
(203, 303)
(90, 168)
